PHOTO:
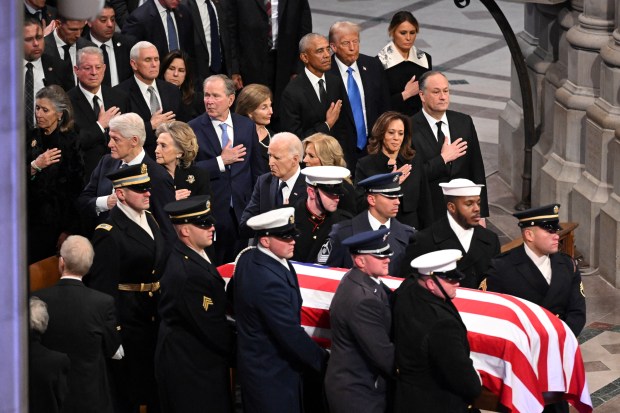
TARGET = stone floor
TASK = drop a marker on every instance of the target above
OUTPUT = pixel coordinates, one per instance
(468, 46)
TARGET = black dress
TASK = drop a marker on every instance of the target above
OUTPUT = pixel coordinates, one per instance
(398, 73)
(193, 178)
(52, 192)
(415, 205)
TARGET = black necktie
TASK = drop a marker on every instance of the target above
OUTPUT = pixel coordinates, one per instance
(322, 92)
(280, 195)
(216, 53)
(67, 56)
(29, 95)
(107, 80)
(96, 107)
(440, 136)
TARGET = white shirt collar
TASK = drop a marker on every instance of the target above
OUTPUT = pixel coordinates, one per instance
(202, 253)
(59, 41)
(227, 121)
(274, 256)
(131, 213)
(144, 87)
(290, 183)
(89, 95)
(138, 159)
(343, 68)
(464, 235)
(313, 78)
(161, 9)
(70, 277)
(390, 56)
(433, 122)
(375, 224)
(32, 10)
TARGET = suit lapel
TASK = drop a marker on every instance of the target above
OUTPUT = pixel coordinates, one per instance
(137, 99)
(134, 231)
(310, 94)
(212, 140)
(197, 22)
(531, 273)
(559, 282)
(84, 106)
(428, 143)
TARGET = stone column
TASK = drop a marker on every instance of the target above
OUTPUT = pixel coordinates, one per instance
(555, 77)
(609, 235)
(13, 293)
(602, 119)
(567, 158)
(537, 44)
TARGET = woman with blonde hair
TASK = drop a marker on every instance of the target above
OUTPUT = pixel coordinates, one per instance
(321, 149)
(390, 150)
(176, 150)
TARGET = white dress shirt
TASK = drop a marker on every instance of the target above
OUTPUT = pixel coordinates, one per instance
(231, 136)
(61, 52)
(89, 97)
(144, 89)
(432, 122)
(290, 183)
(111, 59)
(542, 263)
(38, 76)
(163, 13)
(464, 235)
(315, 82)
(206, 23)
(342, 68)
(375, 224)
(137, 217)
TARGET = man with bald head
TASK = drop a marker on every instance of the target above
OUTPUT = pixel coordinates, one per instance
(283, 185)
(316, 100)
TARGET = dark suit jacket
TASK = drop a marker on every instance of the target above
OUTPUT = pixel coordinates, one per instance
(303, 114)
(514, 273)
(267, 304)
(200, 50)
(170, 101)
(48, 13)
(93, 141)
(145, 23)
(125, 253)
(162, 193)
(52, 49)
(374, 82)
(193, 178)
(264, 198)
(440, 236)
(48, 371)
(238, 179)
(415, 204)
(82, 324)
(337, 255)
(195, 343)
(249, 28)
(122, 9)
(436, 373)
(469, 166)
(122, 46)
(362, 357)
(56, 72)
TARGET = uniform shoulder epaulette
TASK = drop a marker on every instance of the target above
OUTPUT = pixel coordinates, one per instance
(243, 251)
(107, 227)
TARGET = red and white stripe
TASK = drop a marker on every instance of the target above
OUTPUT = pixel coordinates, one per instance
(520, 349)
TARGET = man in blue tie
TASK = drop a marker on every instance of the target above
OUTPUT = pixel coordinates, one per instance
(228, 149)
(363, 78)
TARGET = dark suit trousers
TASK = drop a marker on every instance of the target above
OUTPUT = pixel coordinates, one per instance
(227, 243)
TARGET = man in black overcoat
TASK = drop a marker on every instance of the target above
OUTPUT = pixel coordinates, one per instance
(195, 343)
(537, 272)
(129, 258)
(362, 354)
(435, 371)
(459, 229)
(82, 324)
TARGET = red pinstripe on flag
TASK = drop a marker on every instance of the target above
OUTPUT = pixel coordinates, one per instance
(520, 349)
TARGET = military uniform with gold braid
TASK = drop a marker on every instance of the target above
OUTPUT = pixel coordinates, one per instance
(516, 274)
(127, 265)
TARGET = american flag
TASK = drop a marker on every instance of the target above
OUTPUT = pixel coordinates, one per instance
(520, 349)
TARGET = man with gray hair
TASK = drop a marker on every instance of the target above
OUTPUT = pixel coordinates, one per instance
(82, 324)
(127, 137)
(229, 150)
(316, 100)
(94, 105)
(47, 369)
(284, 185)
(155, 100)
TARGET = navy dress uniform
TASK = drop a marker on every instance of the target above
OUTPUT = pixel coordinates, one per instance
(553, 281)
(195, 344)
(127, 266)
(273, 348)
(314, 229)
(362, 355)
(477, 244)
(334, 254)
(435, 371)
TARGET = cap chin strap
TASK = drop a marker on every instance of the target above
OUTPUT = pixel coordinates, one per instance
(320, 203)
(438, 284)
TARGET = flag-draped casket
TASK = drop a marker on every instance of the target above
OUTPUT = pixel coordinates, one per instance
(520, 349)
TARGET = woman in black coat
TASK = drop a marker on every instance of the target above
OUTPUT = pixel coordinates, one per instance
(56, 174)
(176, 68)
(390, 150)
(176, 150)
(404, 63)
